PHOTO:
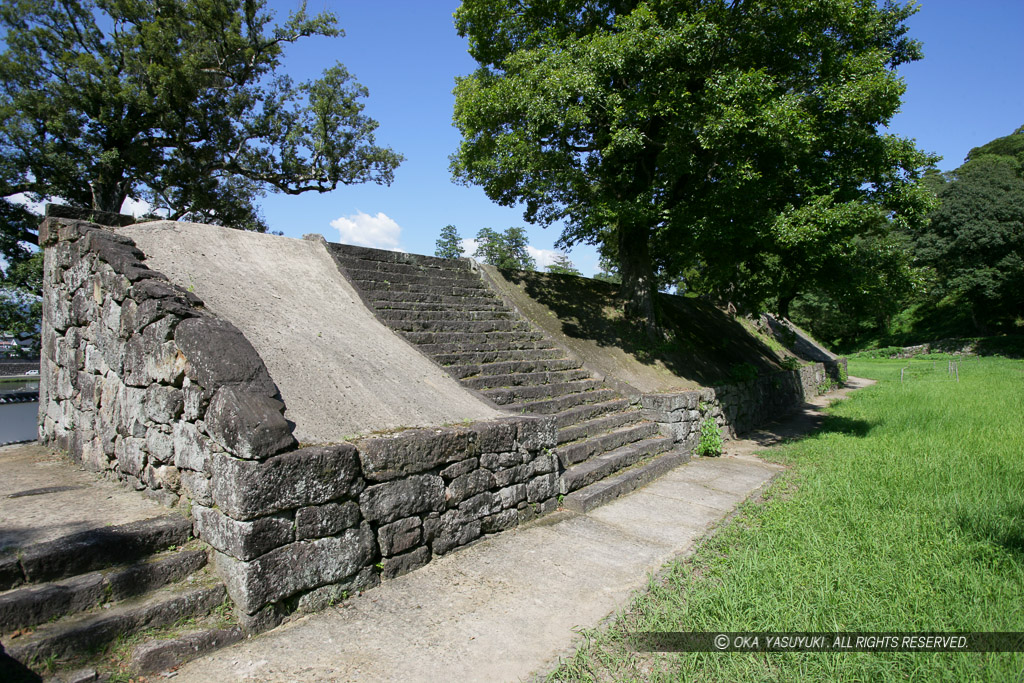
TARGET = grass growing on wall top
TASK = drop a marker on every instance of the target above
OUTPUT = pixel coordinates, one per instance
(904, 513)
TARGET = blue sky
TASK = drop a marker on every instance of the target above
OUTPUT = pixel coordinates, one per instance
(967, 91)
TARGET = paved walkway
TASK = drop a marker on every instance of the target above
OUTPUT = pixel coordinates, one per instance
(506, 608)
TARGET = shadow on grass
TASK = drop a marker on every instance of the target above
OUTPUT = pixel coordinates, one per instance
(846, 425)
(701, 342)
(1001, 527)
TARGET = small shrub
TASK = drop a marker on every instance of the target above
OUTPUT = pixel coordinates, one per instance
(743, 372)
(844, 374)
(791, 363)
(710, 438)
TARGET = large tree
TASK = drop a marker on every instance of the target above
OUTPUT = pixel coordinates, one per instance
(506, 250)
(736, 139)
(177, 102)
(975, 239)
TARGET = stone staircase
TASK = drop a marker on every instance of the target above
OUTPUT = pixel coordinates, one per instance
(131, 599)
(445, 308)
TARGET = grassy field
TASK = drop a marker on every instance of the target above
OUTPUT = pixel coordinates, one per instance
(904, 513)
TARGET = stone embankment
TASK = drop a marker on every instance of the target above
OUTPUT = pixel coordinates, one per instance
(143, 380)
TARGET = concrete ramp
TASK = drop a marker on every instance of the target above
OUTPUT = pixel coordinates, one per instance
(340, 371)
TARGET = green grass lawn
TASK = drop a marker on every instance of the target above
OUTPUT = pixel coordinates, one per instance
(904, 513)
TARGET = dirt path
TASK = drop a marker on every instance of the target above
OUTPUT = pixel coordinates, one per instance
(803, 421)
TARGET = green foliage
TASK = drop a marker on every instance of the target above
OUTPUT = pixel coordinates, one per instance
(178, 102)
(449, 244)
(742, 372)
(710, 444)
(21, 307)
(682, 140)
(505, 250)
(791, 363)
(961, 274)
(975, 240)
(563, 266)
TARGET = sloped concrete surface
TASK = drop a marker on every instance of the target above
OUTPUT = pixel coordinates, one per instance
(340, 371)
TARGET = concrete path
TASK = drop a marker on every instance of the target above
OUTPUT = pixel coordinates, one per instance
(506, 608)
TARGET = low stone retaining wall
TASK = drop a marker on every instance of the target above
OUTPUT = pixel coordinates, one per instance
(139, 381)
(738, 408)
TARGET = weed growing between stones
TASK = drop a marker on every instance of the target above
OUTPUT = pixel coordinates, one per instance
(710, 438)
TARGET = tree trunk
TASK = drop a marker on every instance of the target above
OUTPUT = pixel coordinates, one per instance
(784, 302)
(109, 191)
(638, 287)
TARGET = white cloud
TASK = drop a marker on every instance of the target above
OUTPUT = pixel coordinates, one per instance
(543, 257)
(364, 230)
(136, 207)
(35, 207)
(469, 247)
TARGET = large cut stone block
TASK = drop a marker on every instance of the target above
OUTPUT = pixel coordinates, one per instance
(296, 567)
(318, 521)
(249, 425)
(217, 354)
(414, 451)
(241, 540)
(393, 500)
(245, 489)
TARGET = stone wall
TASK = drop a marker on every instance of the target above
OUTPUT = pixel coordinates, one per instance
(736, 408)
(139, 381)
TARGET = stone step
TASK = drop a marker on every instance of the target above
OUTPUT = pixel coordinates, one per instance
(445, 270)
(507, 395)
(512, 366)
(599, 467)
(369, 254)
(441, 308)
(579, 451)
(79, 635)
(466, 326)
(37, 604)
(524, 379)
(455, 354)
(434, 279)
(383, 298)
(164, 654)
(548, 406)
(438, 290)
(610, 488)
(93, 549)
(447, 314)
(477, 341)
(598, 425)
(581, 413)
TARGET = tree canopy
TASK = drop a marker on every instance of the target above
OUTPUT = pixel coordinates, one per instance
(975, 239)
(737, 141)
(504, 249)
(176, 102)
(562, 266)
(449, 244)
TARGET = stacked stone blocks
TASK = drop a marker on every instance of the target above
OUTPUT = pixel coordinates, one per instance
(140, 381)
